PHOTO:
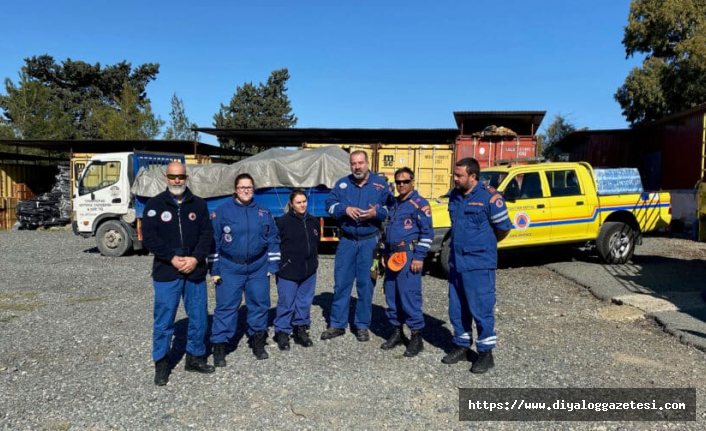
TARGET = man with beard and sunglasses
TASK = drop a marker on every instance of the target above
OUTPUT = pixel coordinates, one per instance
(177, 229)
(359, 202)
(479, 220)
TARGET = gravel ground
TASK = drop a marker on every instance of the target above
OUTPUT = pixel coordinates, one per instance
(75, 331)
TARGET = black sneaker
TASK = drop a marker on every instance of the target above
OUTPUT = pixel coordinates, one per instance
(484, 362)
(282, 340)
(332, 333)
(457, 354)
(363, 335)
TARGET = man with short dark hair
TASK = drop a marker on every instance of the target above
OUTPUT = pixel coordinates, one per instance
(177, 229)
(359, 202)
(479, 220)
(408, 236)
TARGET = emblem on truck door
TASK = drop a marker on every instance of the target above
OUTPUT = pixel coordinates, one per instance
(522, 221)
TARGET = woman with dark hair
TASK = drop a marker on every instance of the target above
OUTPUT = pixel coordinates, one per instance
(247, 253)
(296, 280)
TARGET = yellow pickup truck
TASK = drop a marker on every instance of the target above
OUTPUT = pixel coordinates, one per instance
(565, 203)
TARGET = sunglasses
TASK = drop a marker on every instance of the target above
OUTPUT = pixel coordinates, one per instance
(400, 182)
(175, 176)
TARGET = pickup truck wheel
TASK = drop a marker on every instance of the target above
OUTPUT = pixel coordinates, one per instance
(113, 239)
(444, 255)
(616, 242)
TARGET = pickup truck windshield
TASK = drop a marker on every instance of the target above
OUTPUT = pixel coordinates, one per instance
(492, 179)
(98, 175)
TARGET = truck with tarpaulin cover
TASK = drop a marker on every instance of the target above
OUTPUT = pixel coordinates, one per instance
(276, 173)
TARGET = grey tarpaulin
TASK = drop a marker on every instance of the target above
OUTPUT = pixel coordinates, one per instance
(271, 168)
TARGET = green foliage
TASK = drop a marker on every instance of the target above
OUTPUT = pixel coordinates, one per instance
(128, 120)
(180, 126)
(265, 106)
(672, 35)
(32, 112)
(62, 101)
(557, 130)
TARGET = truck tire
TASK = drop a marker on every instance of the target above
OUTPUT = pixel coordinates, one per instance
(113, 239)
(616, 242)
(444, 255)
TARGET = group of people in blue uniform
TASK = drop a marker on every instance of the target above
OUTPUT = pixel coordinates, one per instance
(242, 246)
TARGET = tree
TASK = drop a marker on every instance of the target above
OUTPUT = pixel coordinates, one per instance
(672, 35)
(128, 120)
(31, 111)
(73, 92)
(265, 106)
(557, 130)
(180, 126)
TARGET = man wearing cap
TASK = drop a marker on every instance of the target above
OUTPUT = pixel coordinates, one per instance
(479, 220)
(359, 202)
(177, 229)
(408, 236)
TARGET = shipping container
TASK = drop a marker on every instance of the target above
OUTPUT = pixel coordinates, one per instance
(432, 164)
(491, 150)
(368, 148)
(197, 159)
(8, 212)
(37, 178)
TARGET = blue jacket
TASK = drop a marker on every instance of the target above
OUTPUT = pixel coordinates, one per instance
(410, 222)
(347, 193)
(247, 235)
(299, 240)
(474, 219)
(170, 229)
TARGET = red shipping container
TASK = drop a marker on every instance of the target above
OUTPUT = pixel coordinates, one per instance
(489, 150)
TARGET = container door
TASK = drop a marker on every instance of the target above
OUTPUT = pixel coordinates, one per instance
(434, 170)
(394, 156)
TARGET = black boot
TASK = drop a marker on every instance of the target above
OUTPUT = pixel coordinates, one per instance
(301, 336)
(161, 371)
(416, 344)
(198, 364)
(332, 333)
(395, 339)
(363, 335)
(257, 342)
(282, 340)
(484, 362)
(219, 354)
(457, 354)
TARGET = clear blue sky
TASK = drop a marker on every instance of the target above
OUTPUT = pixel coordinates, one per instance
(362, 63)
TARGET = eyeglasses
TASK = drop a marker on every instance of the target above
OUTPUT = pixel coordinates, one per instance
(175, 176)
(400, 182)
(244, 189)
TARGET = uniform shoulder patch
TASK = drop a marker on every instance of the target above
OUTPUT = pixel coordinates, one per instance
(494, 198)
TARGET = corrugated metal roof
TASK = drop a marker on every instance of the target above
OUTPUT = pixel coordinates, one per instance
(114, 146)
(521, 122)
